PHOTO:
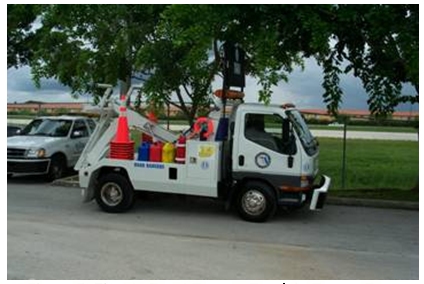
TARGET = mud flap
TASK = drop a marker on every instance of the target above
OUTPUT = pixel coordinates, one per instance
(87, 194)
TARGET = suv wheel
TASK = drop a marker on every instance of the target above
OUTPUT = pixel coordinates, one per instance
(57, 168)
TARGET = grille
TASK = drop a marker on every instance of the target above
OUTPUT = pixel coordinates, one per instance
(15, 153)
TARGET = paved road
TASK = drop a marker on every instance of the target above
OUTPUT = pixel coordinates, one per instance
(51, 235)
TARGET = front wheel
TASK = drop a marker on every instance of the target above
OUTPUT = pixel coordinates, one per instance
(57, 168)
(256, 202)
(114, 193)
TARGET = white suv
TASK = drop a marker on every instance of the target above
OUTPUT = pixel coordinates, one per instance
(48, 145)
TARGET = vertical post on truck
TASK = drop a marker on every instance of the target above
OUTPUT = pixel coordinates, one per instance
(234, 59)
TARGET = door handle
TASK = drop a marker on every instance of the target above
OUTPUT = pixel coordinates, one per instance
(290, 161)
(241, 160)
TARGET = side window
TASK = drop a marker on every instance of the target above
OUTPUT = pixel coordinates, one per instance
(91, 124)
(80, 127)
(267, 131)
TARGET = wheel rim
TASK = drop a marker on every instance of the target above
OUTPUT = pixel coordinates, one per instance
(253, 202)
(111, 194)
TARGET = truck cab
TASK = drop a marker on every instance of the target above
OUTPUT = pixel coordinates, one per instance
(272, 147)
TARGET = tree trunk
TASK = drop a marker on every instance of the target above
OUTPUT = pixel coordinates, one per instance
(125, 85)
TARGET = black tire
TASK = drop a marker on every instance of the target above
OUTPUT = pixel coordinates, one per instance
(114, 193)
(57, 167)
(256, 202)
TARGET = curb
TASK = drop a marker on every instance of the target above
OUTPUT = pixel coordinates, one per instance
(376, 203)
(72, 181)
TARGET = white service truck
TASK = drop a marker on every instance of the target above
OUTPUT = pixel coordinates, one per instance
(266, 158)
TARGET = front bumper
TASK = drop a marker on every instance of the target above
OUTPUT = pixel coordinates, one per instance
(319, 194)
(28, 166)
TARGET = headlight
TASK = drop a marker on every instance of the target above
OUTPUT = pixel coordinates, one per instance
(36, 153)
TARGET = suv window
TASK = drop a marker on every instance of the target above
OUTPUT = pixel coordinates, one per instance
(48, 127)
(91, 124)
(267, 131)
(81, 127)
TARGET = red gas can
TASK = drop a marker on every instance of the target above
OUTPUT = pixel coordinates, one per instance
(181, 150)
(156, 152)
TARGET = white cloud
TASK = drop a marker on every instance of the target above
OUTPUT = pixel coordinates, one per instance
(20, 88)
(303, 89)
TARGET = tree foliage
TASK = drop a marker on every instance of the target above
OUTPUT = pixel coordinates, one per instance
(19, 36)
(176, 48)
(182, 61)
(378, 43)
(82, 44)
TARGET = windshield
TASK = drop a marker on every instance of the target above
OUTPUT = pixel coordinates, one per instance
(48, 127)
(308, 141)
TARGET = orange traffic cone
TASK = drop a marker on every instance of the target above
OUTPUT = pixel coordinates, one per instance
(122, 130)
(122, 147)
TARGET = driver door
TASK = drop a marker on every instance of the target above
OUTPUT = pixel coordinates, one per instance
(261, 148)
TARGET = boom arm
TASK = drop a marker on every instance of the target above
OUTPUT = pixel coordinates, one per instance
(98, 144)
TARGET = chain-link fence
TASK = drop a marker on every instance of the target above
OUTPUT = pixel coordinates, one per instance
(366, 154)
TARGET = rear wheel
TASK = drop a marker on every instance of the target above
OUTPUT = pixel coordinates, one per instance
(256, 202)
(114, 193)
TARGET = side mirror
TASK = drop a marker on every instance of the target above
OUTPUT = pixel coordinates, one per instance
(289, 144)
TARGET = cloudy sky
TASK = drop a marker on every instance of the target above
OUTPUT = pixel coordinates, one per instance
(303, 89)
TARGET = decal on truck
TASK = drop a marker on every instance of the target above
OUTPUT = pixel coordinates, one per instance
(262, 160)
(204, 165)
(206, 151)
(149, 165)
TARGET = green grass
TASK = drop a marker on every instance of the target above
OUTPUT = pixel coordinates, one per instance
(367, 128)
(136, 137)
(371, 164)
(21, 116)
(375, 169)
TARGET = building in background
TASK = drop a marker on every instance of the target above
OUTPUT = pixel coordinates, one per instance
(34, 107)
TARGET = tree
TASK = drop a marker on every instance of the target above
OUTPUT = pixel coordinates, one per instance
(82, 44)
(19, 36)
(385, 55)
(177, 47)
(378, 43)
(185, 68)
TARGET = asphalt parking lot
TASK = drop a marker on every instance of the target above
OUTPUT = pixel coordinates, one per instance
(52, 235)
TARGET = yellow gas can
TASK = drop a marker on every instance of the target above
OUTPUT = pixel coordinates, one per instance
(168, 153)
